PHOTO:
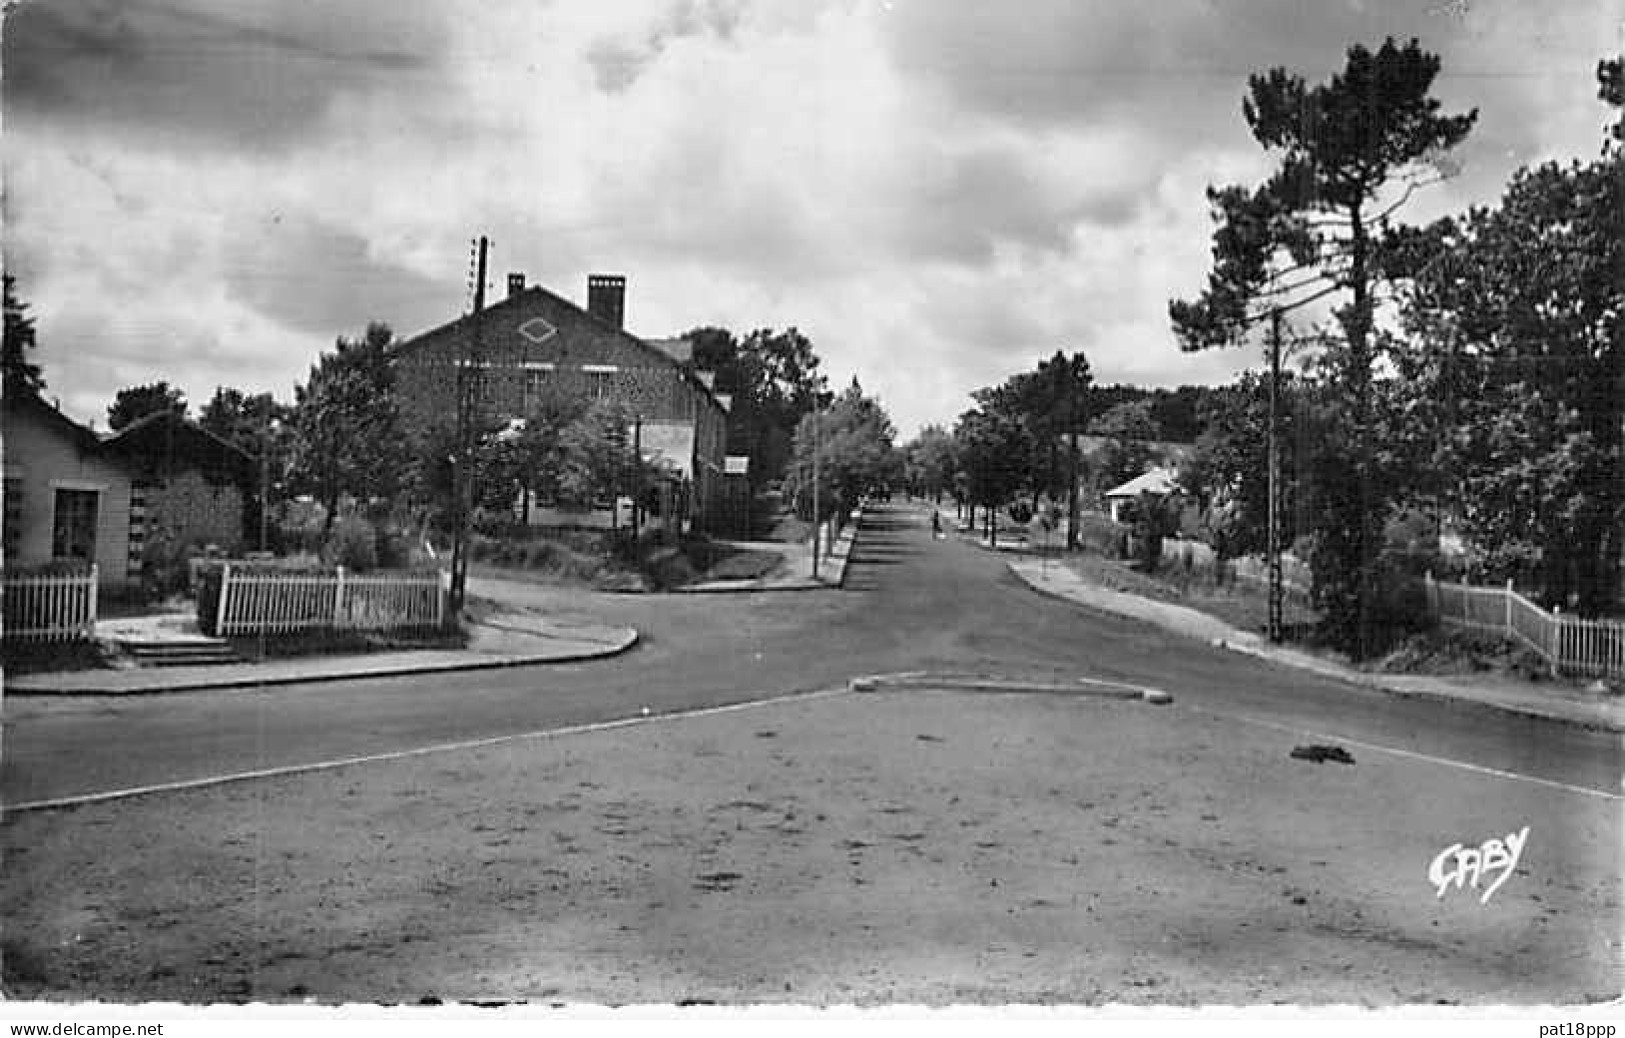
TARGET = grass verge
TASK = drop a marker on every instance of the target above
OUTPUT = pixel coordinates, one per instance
(605, 566)
(345, 643)
(1241, 605)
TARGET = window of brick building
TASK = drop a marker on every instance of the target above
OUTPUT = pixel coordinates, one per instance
(535, 383)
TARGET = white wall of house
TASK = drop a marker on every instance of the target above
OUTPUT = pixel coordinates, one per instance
(39, 461)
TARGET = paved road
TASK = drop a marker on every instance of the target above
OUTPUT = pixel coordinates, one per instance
(910, 603)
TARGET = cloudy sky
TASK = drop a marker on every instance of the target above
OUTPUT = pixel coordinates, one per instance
(938, 192)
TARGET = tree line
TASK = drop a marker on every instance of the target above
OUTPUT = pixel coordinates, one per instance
(1023, 442)
(341, 440)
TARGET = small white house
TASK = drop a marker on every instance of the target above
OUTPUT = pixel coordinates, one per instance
(73, 496)
(1159, 482)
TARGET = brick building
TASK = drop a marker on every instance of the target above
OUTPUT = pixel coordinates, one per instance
(534, 338)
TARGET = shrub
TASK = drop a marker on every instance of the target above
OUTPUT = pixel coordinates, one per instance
(164, 568)
(352, 544)
(667, 568)
(298, 526)
(1401, 607)
(1396, 608)
(54, 568)
(492, 523)
(395, 550)
(540, 553)
(1154, 518)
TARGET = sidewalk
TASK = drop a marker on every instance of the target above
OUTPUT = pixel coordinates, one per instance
(1552, 702)
(503, 640)
(796, 572)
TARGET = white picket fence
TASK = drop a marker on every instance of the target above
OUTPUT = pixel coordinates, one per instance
(1568, 643)
(48, 608)
(262, 602)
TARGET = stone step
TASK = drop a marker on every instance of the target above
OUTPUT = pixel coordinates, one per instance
(190, 652)
(188, 661)
(176, 647)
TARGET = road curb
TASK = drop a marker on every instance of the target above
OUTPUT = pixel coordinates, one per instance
(237, 682)
(1084, 687)
(1352, 678)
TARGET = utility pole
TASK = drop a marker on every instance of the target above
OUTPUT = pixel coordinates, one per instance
(1274, 489)
(1075, 402)
(463, 461)
(268, 429)
(637, 476)
(817, 527)
(265, 490)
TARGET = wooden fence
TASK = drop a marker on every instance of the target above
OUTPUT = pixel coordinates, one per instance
(257, 603)
(1297, 580)
(1296, 577)
(1190, 554)
(49, 607)
(1568, 643)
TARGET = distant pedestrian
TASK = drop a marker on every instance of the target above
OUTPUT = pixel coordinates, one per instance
(936, 524)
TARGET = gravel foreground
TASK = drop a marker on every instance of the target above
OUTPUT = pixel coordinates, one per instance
(896, 847)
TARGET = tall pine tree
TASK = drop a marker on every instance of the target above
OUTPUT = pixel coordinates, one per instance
(22, 375)
(1351, 152)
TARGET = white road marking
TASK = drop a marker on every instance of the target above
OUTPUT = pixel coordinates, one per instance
(419, 751)
(1412, 755)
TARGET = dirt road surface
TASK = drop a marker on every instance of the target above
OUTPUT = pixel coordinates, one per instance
(904, 846)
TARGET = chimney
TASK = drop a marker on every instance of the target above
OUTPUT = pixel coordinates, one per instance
(516, 284)
(606, 298)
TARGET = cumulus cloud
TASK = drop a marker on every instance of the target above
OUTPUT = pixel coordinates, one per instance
(237, 75)
(619, 57)
(261, 258)
(938, 192)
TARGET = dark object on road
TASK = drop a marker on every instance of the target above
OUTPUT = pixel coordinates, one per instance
(1320, 753)
(718, 881)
